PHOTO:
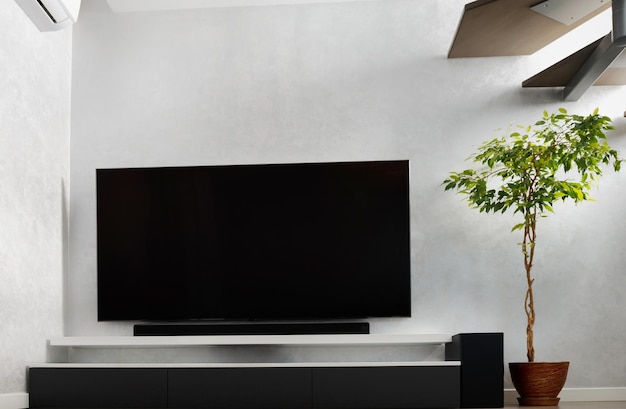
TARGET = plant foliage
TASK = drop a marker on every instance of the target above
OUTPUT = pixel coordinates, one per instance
(530, 169)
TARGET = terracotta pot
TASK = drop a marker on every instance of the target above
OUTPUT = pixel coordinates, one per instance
(538, 383)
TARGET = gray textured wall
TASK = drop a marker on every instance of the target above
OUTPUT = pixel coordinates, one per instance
(35, 74)
(355, 81)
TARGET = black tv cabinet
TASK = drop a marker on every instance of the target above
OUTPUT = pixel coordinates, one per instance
(346, 385)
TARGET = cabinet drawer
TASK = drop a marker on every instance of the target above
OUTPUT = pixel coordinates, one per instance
(240, 388)
(97, 388)
(386, 387)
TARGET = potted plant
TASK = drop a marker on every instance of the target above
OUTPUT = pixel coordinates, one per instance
(526, 172)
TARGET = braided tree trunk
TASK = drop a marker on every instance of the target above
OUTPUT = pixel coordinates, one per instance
(528, 248)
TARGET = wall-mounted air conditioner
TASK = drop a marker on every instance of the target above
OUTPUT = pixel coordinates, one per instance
(51, 15)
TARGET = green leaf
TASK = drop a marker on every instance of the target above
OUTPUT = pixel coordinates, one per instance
(579, 194)
(556, 159)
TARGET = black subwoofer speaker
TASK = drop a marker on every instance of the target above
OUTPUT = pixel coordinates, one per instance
(482, 368)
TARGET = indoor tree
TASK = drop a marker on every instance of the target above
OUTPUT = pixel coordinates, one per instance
(557, 159)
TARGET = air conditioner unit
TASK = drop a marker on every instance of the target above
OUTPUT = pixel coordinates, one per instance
(51, 15)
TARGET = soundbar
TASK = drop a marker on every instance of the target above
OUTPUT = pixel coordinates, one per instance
(251, 329)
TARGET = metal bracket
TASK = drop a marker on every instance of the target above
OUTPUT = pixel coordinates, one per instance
(592, 69)
(568, 11)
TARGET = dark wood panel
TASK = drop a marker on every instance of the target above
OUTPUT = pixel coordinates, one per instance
(560, 74)
(613, 76)
(507, 27)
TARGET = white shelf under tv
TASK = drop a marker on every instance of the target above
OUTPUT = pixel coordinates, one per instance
(235, 340)
(340, 340)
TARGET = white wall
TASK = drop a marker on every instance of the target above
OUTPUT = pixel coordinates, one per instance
(355, 81)
(35, 73)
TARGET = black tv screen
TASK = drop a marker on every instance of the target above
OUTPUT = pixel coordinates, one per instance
(304, 241)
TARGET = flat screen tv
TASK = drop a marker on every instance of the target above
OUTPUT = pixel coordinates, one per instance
(309, 241)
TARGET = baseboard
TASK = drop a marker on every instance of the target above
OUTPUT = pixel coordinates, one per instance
(578, 395)
(13, 400)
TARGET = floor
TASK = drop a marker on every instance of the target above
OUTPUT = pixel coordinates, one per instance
(578, 405)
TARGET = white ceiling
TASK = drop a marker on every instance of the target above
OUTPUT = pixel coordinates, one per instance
(121, 6)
